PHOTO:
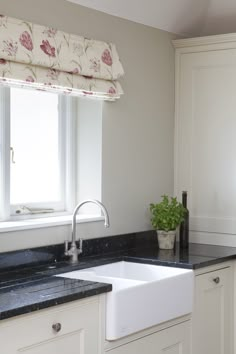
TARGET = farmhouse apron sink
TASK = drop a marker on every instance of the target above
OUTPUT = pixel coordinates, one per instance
(142, 295)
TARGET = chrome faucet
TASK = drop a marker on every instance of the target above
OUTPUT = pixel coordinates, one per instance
(73, 252)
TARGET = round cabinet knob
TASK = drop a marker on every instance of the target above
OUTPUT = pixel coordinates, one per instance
(56, 327)
(216, 280)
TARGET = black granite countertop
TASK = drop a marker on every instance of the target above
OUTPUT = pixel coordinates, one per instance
(45, 292)
(195, 257)
(27, 281)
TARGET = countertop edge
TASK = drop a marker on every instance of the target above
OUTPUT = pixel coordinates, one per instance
(98, 288)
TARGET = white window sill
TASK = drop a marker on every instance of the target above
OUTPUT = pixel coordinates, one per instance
(17, 225)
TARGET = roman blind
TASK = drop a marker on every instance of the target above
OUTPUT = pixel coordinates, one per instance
(52, 60)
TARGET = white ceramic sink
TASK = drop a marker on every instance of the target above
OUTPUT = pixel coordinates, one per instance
(142, 295)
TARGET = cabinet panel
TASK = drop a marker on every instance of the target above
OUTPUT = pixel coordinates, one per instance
(205, 138)
(71, 343)
(212, 320)
(173, 340)
(34, 334)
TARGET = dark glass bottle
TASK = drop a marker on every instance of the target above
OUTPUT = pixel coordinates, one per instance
(184, 226)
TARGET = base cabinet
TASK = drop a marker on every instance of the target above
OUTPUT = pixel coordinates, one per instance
(173, 340)
(213, 313)
(70, 329)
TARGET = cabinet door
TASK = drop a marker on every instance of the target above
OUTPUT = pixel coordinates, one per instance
(173, 340)
(212, 316)
(34, 333)
(205, 141)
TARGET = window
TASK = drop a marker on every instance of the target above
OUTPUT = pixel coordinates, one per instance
(37, 143)
(50, 153)
(36, 113)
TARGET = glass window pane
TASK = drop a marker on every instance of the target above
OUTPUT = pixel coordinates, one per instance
(35, 175)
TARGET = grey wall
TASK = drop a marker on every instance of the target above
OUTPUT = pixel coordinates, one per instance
(137, 130)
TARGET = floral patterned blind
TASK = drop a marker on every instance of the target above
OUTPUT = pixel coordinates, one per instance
(49, 59)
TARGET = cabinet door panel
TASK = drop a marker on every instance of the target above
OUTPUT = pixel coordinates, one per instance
(205, 139)
(33, 333)
(70, 344)
(173, 340)
(212, 313)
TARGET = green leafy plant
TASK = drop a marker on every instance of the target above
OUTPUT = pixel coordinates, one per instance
(168, 214)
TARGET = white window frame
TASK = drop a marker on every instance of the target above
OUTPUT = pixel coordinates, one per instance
(67, 153)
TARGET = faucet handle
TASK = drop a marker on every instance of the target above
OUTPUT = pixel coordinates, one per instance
(80, 250)
(66, 247)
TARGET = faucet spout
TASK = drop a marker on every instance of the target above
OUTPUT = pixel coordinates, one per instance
(73, 252)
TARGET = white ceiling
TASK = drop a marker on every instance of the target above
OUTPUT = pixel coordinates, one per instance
(187, 17)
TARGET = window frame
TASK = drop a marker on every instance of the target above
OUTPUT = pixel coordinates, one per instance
(67, 108)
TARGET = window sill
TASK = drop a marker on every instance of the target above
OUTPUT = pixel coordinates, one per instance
(17, 225)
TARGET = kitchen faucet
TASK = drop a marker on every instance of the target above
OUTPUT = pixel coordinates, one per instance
(73, 252)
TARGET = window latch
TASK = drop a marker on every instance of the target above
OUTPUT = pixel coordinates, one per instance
(12, 155)
(27, 210)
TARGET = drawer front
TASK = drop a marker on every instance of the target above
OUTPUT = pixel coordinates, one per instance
(70, 329)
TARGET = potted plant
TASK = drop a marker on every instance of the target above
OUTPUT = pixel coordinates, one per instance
(166, 217)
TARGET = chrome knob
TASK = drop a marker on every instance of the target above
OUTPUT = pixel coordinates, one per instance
(56, 327)
(216, 280)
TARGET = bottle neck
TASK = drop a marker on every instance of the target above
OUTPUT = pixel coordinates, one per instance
(184, 199)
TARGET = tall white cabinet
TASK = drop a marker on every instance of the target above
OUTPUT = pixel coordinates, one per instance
(205, 133)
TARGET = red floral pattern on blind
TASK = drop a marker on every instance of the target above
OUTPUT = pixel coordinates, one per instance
(52, 59)
(37, 45)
